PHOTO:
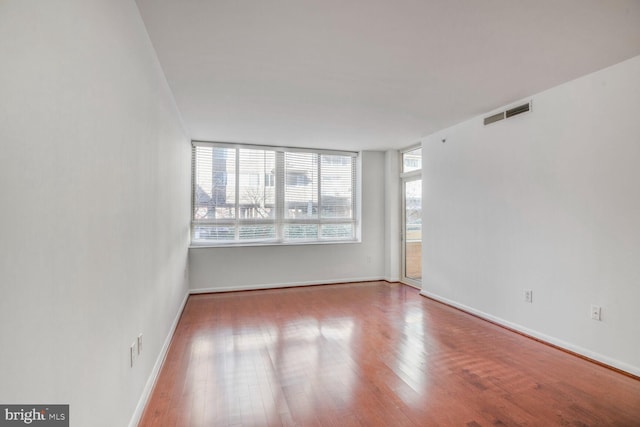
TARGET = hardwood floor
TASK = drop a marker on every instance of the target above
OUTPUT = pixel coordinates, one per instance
(371, 354)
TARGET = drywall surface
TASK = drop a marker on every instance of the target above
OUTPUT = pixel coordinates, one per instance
(393, 227)
(94, 184)
(253, 267)
(548, 201)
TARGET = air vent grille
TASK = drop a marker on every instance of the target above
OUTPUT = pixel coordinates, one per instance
(517, 110)
(494, 118)
(507, 114)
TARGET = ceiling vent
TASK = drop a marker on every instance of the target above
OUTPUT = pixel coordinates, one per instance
(517, 110)
(494, 118)
(507, 114)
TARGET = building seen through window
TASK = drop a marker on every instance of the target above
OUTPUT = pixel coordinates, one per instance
(249, 194)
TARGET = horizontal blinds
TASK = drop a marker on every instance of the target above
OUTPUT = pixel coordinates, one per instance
(274, 148)
(267, 194)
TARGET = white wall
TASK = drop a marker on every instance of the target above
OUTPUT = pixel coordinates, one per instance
(393, 227)
(94, 184)
(252, 267)
(548, 201)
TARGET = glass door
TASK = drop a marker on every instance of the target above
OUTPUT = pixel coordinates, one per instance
(412, 230)
(411, 178)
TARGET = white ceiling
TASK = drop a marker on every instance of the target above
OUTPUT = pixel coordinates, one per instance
(372, 74)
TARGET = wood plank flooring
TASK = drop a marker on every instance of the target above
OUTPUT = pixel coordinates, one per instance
(371, 354)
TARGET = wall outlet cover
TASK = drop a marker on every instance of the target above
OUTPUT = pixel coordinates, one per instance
(133, 352)
(528, 295)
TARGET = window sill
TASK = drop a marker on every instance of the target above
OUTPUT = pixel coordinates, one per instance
(271, 244)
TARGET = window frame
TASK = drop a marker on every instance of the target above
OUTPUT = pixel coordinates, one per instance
(281, 220)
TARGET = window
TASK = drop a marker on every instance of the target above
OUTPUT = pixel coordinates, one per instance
(254, 194)
(269, 180)
(412, 160)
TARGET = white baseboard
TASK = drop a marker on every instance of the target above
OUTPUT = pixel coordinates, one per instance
(256, 287)
(153, 377)
(634, 370)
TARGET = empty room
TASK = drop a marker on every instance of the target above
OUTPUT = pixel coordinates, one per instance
(319, 213)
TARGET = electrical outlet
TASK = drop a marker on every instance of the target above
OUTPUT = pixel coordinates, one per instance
(139, 344)
(596, 312)
(528, 296)
(133, 352)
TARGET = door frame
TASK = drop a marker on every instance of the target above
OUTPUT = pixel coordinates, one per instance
(406, 177)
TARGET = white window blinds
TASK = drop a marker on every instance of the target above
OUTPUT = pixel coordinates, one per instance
(245, 194)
